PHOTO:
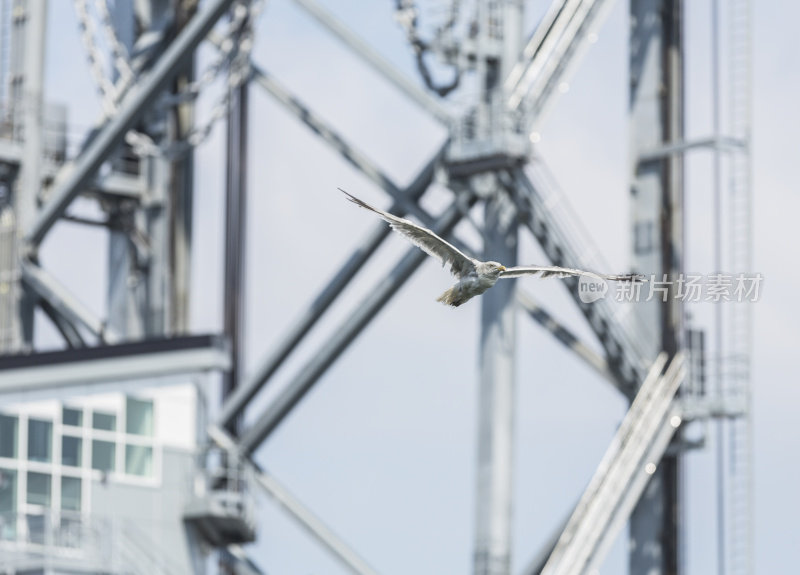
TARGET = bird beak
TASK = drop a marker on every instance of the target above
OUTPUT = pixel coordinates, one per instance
(502, 268)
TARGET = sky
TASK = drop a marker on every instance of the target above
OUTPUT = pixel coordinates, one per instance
(383, 448)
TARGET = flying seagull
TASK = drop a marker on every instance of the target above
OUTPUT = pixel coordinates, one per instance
(474, 276)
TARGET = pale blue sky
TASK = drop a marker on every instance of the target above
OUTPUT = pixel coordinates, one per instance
(386, 456)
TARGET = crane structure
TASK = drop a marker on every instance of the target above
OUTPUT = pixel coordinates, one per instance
(137, 166)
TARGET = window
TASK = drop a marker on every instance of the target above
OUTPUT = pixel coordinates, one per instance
(103, 453)
(71, 450)
(70, 416)
(8, 490)
(40, 440)
(139, 460)
(139, 416)
(643, 237)
(38, 489)
(8, 436)
(36, 528)
(70, 493)
(8, 504)
(104, 421)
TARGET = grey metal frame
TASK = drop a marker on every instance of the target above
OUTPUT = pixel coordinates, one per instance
(529, 80)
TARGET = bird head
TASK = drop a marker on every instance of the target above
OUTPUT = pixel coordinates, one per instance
(495, 268)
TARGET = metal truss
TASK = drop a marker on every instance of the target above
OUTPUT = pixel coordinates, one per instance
(530, 88)
(64, 304)
(551, 52)
(624, 364)
(638, 445)
(624, 357)
(74, 178)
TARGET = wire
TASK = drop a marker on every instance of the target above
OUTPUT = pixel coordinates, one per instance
(406, 15)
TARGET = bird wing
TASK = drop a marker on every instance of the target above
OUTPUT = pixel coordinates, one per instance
(460, 263)
(559, 272)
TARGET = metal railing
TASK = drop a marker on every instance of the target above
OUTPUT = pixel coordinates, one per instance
(69, 541)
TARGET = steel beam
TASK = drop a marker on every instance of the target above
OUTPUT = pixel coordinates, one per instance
(68, 331)
(237, 561)
(567, 338)
(716, 143)
(140, 97)
(371, 57)
(293, 506)
(349, 152)
(235, 239)
(553, 49)
(624, 356)
(28, 98)
(67, 305)
(272, 361)
(50, 371)
(539, 49)
(496, 399)
(266, 423)
(313, 525)
(656, 119)
(627, 466)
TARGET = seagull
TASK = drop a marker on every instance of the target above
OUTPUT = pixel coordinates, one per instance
(474, 276)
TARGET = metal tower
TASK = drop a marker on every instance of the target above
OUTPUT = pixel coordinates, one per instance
(137, 165)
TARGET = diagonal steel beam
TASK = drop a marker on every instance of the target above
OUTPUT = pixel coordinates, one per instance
(378, 297)
(67, 330)
(293, 506)
(537, 563)
(237, 561)
(272, 361)
(640, 442)
(65, 304)
(368, 54)
(313, 525)
(625, 359)
(349, 152)
(538, 49)
(325, 131)
(550, 55)
(141, 96)
(567, 338)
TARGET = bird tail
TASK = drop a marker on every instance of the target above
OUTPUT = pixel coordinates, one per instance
(452, 297)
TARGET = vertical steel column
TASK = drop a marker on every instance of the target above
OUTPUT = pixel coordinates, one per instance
(127, 280)
(27, 97)
(235, 231)
(496, 401)
(656, 111)
(498, 310)
(182, 195)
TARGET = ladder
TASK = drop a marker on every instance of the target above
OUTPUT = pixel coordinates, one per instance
(737, 317)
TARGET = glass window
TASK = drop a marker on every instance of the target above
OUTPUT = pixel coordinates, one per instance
(70, 493)
(38, 489)
(71, 450)
(36, 529)
(8, 504)
(139, 416)
(8, 490)
(71, 416)
(104, 421)
(40, 440)
(139, 460)
(103, 455)
(8, 435)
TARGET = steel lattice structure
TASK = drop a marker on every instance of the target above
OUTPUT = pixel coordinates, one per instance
(146, 189)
